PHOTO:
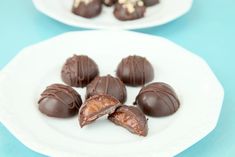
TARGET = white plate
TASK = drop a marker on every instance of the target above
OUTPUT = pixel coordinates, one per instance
(37, 66)
(166, 11)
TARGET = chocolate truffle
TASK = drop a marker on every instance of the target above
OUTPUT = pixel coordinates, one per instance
(131, 118)
(109, 2)
(59, 100)
(157, 99)
(135, 71)
(107, 85)
(95, 107)
(78, 71)
(87, 8)
(148, 3)
(129, 9)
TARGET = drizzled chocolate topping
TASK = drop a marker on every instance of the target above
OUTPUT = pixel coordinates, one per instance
(107, 85)
(135, 71)
(157, 99)
(78, 71)
(59, 100)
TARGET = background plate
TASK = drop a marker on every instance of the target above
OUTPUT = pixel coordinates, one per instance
(166, 11)
(37, 66)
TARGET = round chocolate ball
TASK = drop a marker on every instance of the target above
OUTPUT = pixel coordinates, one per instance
(149, 3)
(78, 71)
(59, 100)
(135, 71)
(87, 8)
(129, 9)
(108, 85)
(157, 99)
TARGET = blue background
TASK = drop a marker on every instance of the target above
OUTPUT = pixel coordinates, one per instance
(207, 30)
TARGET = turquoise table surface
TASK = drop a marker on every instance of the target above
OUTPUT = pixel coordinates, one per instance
(208, 30)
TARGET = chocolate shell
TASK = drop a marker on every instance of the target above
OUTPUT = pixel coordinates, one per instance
(59, 100)
(157, 99)
(78, 71)
(129, 9)
(109, 2)
(107, 85)
(149, 3)
(135, 71)
(95, 107)
(131, 118)
(87, 8)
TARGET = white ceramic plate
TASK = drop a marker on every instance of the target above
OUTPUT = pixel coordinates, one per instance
(166, 11)
(37, 66)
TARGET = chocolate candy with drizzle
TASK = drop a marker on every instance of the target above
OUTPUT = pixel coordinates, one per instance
(157, 99)
(129, 9)
(131, 118)
(135, 71)
(59, 100)
(95, 107)
(87, 8)
(78, 71)
(108, 85)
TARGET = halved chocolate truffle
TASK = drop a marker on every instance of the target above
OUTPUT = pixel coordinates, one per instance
(129, 9)
(148, 3)
(107, 85)
(95, 107)
(131, 118)
(79, 70)
(157, 99)
(135, 70)
(87, 8)
(59, 100)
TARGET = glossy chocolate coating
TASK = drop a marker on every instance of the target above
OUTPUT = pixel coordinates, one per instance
(95, 107)
(78, 71)
(107, 85)
(129, 10)
(157, 99)
(109, 2)
(148, 3)
(59, 100)
(131, 118)
(86, 8)
(135, 71)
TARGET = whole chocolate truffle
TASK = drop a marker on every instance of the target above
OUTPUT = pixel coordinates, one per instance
(157, 99)
(150, 2)
(129, 9)
(87, 8)
(131, 118)
(95, 107)
(135, 71)
(78, 71)
(109, 2)
(59, 100)
(108, 85)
